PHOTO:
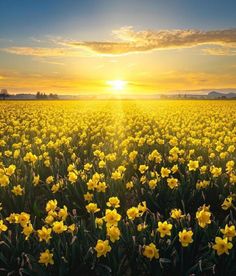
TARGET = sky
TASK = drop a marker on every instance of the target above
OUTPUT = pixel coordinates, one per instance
(117, 46)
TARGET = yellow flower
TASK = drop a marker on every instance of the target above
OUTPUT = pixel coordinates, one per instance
(150, 251)
(92, 208)
(185, 237)
(203, 216)
(227, 203)
(27, 230)
(113, 202)
(154, 174)
(71, 167)
(193, 165)
(143, 179)
(59, 227)
(17, 190)
(92, 184)
(229, 166)
(88, 197)
(44, 234)
(49, 219)
(232, 178)
(172, 182)
(36, 180)
(30, 157)
(55, 188)
(129, 185)
(102, 248)
(53, 213)
(49, 179)
(222, 246)
(111, 157)
(228, 232)
(47, 163)
(212, 155)
(152, 183)
(133, 213)
(141, 227)
(165, 172)
(231, 148)
(8, 153)
(46, 258)
(223, 155)
(51, 205)
(116, 175)
(10, 170)
(62, 214)
(143, 169)
(164, 228)
(113, 233)
(101, 187)
(71, 228)
(176, 214)
(215, 171)
(3, 227)
(142, 207)
(13, 218)
(101, 164)
(99, 222)
(4, 180)
(155, 156)
(202, 184)
(23, 219)
(88, 166)
(203, 169)
(72, 176)
(16, 154)
(174, 169)
(112, 217)
(121, 169)
(132, 155)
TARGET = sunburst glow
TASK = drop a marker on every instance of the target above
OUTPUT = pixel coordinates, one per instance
(117, 84)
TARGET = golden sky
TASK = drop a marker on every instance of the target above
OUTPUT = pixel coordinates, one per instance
(83, 49)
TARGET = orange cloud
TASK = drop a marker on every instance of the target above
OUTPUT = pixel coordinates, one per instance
(43, 52)
(131, 41)
(36, 51)
(141, 41)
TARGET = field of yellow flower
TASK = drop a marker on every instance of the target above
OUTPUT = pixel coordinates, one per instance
(118, 188)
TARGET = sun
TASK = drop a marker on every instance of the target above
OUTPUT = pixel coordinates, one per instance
(117, 85)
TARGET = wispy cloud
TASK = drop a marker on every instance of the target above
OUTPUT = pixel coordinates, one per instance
(45, 52)
(220, 51)
(36, 51)
(147, 40)
(48, 60)
(127, 40)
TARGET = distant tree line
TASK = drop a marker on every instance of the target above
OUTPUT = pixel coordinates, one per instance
(39, 95)
(44, 96)
(4, 94)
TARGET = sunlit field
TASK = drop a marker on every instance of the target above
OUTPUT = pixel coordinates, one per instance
(117, 187)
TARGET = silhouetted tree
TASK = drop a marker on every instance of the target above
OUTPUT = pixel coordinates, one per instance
(53, 96)
(4, 94)
(38, 95)
(44, 96)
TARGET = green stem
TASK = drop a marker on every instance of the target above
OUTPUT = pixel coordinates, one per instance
(182, 261)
